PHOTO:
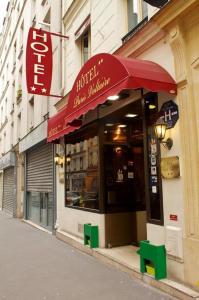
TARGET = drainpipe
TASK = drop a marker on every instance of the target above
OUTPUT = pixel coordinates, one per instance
(54, 145)
(54, 192)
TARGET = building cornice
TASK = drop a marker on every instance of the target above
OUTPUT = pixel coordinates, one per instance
(158, 26)
(142, 40)
(174, 10)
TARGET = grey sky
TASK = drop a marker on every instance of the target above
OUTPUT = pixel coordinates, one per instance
(3, 5)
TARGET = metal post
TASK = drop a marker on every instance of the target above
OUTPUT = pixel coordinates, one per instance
(54, 204)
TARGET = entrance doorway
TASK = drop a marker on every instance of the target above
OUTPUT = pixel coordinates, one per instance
(124, 177)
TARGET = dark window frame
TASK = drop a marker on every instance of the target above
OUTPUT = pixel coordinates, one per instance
(102, 206)
(146, 164)
(100, 199)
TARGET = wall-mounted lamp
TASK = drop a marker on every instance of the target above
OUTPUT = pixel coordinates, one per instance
(68, 159)
(160, 128)
(59, 160)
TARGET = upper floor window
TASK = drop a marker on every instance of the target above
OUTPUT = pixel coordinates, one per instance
(85, 46)
(21, 35)
(137, 11)
(6, 105)
(83, 40)
(19, 126)
(31, 114)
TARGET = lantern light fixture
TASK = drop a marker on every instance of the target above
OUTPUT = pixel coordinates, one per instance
(68, 158)
(160, 128)
(59, 160)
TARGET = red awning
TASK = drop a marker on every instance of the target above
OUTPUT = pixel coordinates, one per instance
(57, 126)
(105, 75)
(102, 76)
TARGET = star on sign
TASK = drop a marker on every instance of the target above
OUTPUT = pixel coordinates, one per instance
(33, 88)
(43, 90)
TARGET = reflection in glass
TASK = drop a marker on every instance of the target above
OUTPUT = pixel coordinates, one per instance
(82, 174)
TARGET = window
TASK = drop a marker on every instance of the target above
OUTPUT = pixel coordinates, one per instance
(47, 20)
(21, 37)
(137, 11)
(43, 2)
(13, 96)
(14, 54)
(6, 106)
(85, 46)
(11, 133)
(83, 39)
(7, 72)
(1, 115)
(82, 167)
(18, 8)
(31, 113)
(19, 90)
(19, 126)
(4, 143)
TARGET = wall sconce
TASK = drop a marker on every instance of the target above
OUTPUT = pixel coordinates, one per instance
(59, 160)
(160, 128)
(68, 159)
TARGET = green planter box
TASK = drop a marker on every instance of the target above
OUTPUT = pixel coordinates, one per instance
(91, 236)
(151, 255)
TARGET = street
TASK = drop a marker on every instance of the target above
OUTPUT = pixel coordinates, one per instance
(34, 265)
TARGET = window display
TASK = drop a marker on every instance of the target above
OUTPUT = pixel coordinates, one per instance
(82, 173)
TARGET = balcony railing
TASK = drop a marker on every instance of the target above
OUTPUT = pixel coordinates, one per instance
(134, 30)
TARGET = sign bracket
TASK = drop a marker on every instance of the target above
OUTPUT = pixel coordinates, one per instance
(55, 34)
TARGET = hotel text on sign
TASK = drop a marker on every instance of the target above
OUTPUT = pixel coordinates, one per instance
(39, 62)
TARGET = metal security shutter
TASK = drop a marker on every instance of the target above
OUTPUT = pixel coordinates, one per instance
(8, 190)
(39, 171)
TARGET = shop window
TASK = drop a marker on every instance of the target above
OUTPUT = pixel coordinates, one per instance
(137, 11)
(82, 167)
(40, 208)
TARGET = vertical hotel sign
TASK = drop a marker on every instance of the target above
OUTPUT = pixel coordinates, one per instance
(39, 62)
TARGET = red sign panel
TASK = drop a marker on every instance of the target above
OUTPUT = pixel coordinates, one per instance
(173, 217)
(39, 62)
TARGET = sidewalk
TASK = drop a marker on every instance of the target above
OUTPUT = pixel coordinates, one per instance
(114, 258)
(34, 265)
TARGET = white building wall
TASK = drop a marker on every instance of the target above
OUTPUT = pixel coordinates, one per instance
(108, 26)
(33, 124)
(13, 78)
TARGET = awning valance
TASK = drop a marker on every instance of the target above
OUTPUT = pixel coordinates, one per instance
(57, 127)
(105, 75)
